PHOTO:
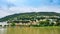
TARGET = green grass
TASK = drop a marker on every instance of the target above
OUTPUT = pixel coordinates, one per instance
(34, 30)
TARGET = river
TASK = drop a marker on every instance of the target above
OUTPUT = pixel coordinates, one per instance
(30, 30)
(3, 30)
(33, 30)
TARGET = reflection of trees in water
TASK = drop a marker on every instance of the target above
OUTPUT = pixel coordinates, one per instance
(3, 30)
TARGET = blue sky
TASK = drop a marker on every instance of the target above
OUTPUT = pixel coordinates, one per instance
(31, 3)
(8, 7)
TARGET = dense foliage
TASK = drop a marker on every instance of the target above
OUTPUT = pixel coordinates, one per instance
(28, 16)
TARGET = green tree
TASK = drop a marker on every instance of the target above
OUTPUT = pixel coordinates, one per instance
(44, 23)
(13, 24)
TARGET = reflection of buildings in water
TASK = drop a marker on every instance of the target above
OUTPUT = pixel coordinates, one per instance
(3, 30)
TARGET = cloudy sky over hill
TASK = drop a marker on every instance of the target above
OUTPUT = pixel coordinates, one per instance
(8, 7)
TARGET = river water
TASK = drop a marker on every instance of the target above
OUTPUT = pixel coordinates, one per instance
(3, 30)
(33, 30)
(30, 30)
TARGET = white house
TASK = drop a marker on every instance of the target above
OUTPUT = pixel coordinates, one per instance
(3, 23)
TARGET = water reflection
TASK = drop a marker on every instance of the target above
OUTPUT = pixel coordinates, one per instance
(3, 30)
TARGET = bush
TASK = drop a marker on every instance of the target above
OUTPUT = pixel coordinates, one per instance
(52, 24)
(58, 24)
(13, 24)
(44, 23)
(35, 25)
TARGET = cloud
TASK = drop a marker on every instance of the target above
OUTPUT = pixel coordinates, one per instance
(3, 13)
(21, 6)
(13, 10)
(33, 9)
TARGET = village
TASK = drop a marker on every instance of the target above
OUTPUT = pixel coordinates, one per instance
(53, 20)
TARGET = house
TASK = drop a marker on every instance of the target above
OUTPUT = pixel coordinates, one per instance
(3, 24)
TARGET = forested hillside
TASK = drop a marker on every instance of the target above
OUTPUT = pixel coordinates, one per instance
(31, 15)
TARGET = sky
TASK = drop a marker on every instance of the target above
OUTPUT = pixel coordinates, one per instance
(8, 7)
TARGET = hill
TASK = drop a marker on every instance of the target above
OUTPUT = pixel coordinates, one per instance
(32, 15)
